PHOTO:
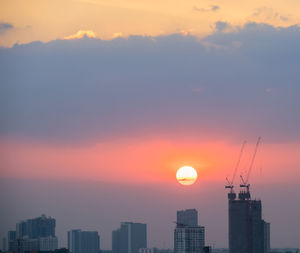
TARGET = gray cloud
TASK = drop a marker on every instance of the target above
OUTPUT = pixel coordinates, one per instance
(268, 13)
(91, 89)
(4, 27)
(284, 18)
(220, 26)
(212, 8)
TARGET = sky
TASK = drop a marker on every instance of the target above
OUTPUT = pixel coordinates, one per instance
(101, 103)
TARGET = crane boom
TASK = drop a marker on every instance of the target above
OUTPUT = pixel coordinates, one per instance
(238, 162)
(230, 182)
(252, 160)
(245, 183)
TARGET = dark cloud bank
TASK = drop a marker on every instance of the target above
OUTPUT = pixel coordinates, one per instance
(241, 82)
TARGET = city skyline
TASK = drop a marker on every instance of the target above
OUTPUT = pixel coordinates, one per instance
(129, 110)
(212, 237)
(187, 228)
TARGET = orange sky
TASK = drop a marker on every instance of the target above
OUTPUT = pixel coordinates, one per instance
(51, 19)
(156, 158)
(148, 160)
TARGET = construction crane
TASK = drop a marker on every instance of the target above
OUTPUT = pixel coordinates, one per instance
(245, 182)
(230, 182)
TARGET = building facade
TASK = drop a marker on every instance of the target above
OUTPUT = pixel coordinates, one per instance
(49, 243)
(36, 234)
(23, 245)
(38, 227)
(189, 239)
(4, 244)
(246, 227)
(267, 246)
(188, 217)
(129, 238)
(83, 241)
(155, 250)
(188, 236)
(11, 235)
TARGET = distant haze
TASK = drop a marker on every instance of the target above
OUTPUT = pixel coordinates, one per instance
(101, 206)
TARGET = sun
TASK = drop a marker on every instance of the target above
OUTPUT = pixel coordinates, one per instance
(186, 175)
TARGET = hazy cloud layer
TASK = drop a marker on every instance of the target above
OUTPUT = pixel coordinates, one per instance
(212, 8)
(269, 14)
(221, 26)
(4, 27)
(230, 84)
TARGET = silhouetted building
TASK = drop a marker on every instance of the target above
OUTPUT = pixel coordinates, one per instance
(61, 250)
(48, 243)
(36, 234)
(23, 245)
(220, 250)
(188, 236)
(83, 241)
(37, 244)
(207, 249)
(267, 245)
(155, 250)
(11, 235)
(129, 238)
(116, 241)
(4, 244)
(38, 227)
(189, 239)
(246, 227)
(188, 217)
(21, 229)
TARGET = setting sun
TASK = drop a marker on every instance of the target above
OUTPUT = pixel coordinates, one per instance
(186, 175)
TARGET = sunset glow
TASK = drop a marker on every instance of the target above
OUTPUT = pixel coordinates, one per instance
(81, 34)
(127, 110)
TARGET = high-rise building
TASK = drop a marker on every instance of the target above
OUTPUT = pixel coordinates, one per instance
(267, 246)
(4, 244)
(48, 243)
(33, 235)
(189, 237)
(23, 245)
(207, 249)
(246, 227)
(38, 227)
(129, 238)
(188, 217)
(74, 241)
(83, 241)
(155, 250)
(11, 235)
(116, 241)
